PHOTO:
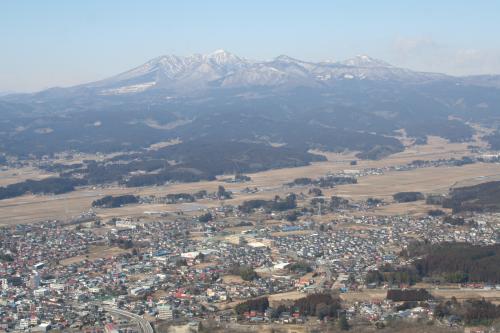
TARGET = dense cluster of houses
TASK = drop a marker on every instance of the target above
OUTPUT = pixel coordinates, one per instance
(178, 269)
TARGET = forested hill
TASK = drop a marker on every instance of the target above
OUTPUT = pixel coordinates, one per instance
(483, 197)
(359, 105)
(459, 262)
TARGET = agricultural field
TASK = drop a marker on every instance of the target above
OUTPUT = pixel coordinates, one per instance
(33, 208)
(95, 252)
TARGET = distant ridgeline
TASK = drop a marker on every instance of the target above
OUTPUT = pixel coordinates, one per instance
(359, 106)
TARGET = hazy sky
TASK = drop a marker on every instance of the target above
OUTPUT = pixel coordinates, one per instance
(59, 43)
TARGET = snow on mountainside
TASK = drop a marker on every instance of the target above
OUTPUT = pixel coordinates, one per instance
(220, 98)
(222, 69)
(365, 61)
(170, 70)
(128, 89)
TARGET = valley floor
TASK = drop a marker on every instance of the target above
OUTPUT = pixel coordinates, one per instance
(34, 208)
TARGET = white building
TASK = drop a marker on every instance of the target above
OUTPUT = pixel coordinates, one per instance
(4, 285)
(165, 312)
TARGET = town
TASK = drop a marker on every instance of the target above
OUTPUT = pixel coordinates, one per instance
(209, 267)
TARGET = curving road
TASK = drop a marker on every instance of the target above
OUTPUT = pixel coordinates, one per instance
(143, 324)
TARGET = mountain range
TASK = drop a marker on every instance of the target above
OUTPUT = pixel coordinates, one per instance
(224, 70)
(359, 104)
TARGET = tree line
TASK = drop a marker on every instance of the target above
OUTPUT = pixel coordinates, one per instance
(109, 201)
(277, 204)
(51, 185)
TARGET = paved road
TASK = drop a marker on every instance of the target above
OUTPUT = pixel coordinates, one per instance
(143, 324)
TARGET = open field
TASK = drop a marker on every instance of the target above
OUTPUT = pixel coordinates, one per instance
(96, 252)
(460, 294)
(29, 208)
(416, 208)
(11, 176)
(288, 296)
(289, 233)
(232, 279)
(426, 180)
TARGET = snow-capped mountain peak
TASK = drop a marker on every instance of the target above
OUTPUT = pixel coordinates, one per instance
(222, 57)
(219, 51)
(222, 69)
(285, 58)
(362, 60)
